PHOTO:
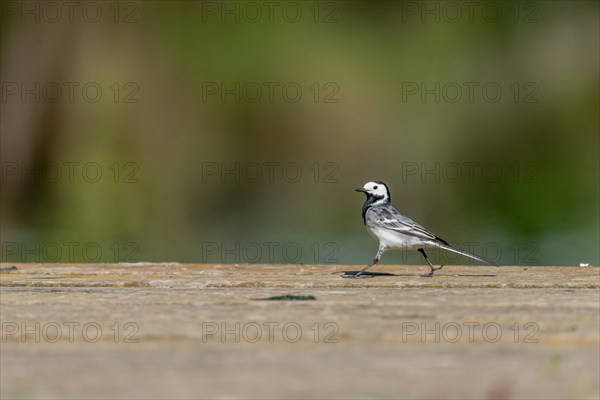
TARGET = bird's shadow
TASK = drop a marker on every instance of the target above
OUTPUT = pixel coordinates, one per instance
(367, 274)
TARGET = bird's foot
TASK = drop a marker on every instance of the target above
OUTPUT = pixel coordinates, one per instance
(430, 273)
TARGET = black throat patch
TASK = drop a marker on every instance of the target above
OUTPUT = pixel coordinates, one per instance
(368, 204)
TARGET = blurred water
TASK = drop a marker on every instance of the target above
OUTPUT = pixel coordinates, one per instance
(182, 131)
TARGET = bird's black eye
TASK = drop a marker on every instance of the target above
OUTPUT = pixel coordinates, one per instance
(375, 187)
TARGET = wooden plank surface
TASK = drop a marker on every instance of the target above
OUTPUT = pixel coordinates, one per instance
(206, 331)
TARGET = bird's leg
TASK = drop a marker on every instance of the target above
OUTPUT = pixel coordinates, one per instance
(375, 261)
(430, 274)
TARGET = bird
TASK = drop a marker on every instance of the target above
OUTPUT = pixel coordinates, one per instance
(396, 231)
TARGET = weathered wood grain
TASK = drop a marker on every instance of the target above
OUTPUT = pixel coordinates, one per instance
(192, 331)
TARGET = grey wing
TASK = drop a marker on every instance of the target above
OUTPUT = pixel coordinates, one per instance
(391, 219)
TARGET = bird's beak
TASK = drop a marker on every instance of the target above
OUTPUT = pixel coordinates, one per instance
(360, 190)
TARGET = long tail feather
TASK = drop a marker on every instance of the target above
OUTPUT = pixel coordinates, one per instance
(466, 253)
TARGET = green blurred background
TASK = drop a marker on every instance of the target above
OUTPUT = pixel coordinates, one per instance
(301, 102)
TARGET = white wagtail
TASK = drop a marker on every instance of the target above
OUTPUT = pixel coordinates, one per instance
(395, 231)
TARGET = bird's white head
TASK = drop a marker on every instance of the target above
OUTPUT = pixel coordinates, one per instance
(376, 191)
